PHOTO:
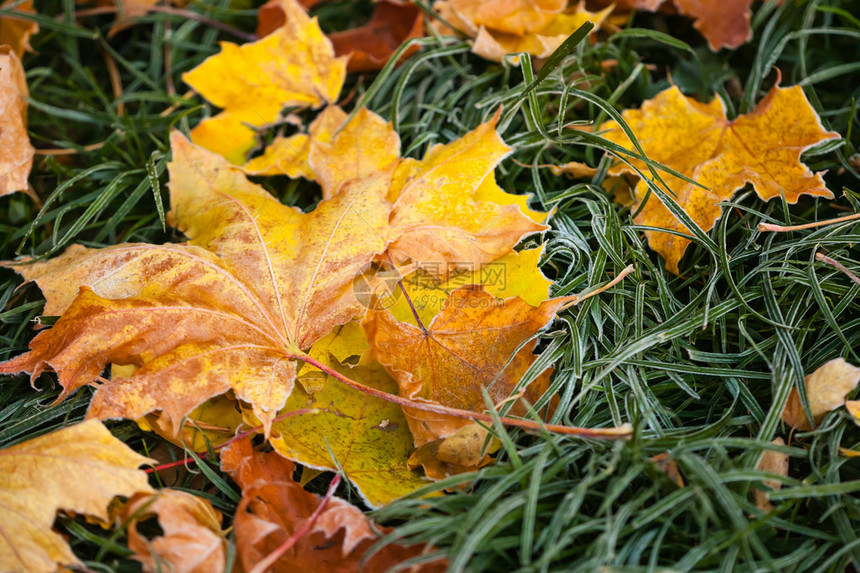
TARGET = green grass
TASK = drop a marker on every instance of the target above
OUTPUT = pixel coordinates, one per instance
(701, 364)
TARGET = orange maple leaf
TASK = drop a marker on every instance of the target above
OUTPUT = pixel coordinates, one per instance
(723, 23)
(80, 468)
(502, 27)
(274, 507)
(16, 153)
(475, 343)
(762, 147)
(259, 283)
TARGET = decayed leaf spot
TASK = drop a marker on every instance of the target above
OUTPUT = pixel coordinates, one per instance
(80, 468)
(762, 147)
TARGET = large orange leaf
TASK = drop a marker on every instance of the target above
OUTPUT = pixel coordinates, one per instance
(80, 468)
(273, 507)
(16, 153)
(294, 66)
(449, 213)
(259, 283)
(696, 139)
(475, 343)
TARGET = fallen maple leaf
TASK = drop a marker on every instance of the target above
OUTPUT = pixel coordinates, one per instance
(16, 153)
(267, 283)
(16, 32)
(253, 83)
(448, 212)
(762, 147)
(80, 468)
(192, 540)
(826, 389)
(502, 27)
(474, 344)
(370, 46)
(365, 437)
(274, 507)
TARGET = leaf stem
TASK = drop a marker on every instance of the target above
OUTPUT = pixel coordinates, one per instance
(784, 229)
(619, 433)
(578, 298)
(825, 259)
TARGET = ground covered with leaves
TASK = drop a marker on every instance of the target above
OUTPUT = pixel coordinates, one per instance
(572, 287)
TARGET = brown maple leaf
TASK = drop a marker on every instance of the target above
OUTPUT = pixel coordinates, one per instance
(723, 23)
(274, 507)
(259, 283)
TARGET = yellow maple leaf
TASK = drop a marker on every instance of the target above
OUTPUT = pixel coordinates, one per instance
(367, 436)
(696, 139)
(293, 66)
(289, 155)
(80, 468)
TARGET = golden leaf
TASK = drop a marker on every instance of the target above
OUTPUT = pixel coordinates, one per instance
(762, 147)
(80, 468)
